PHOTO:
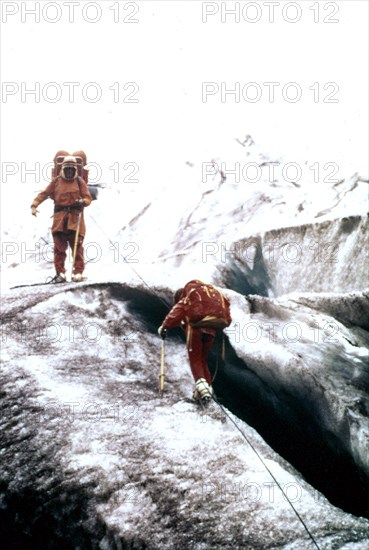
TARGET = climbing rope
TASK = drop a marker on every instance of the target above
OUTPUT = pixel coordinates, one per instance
(217, 402)
(268, 470)
(124, 258)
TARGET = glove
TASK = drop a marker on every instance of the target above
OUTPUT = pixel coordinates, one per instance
(162, 332)
(34, 210)
(80, 203)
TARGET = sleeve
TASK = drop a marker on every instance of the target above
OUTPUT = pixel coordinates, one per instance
(175, 316)
(45, 194)
(85, 193)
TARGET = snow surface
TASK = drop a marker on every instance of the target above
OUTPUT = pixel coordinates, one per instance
(91, 457)
(156, 471)
(139, 228)
(85, 359)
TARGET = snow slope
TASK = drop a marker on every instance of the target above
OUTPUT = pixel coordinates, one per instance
(102, 461)
(89, 447)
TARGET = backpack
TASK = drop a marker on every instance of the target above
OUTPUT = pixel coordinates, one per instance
(205, 306)
(81, 159)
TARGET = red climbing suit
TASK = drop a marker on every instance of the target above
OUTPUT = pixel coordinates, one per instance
(199, 340)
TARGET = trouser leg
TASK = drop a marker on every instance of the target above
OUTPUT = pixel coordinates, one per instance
(60, 247)
(79, 263)
(198, 352)
(207, 343)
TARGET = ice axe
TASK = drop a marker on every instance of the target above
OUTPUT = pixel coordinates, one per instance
(76, 239)
(162, 363)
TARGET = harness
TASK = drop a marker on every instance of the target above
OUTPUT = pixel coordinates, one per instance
(58, 208)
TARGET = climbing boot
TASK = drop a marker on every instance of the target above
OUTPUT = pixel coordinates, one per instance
(202, 390)
(59, 278)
